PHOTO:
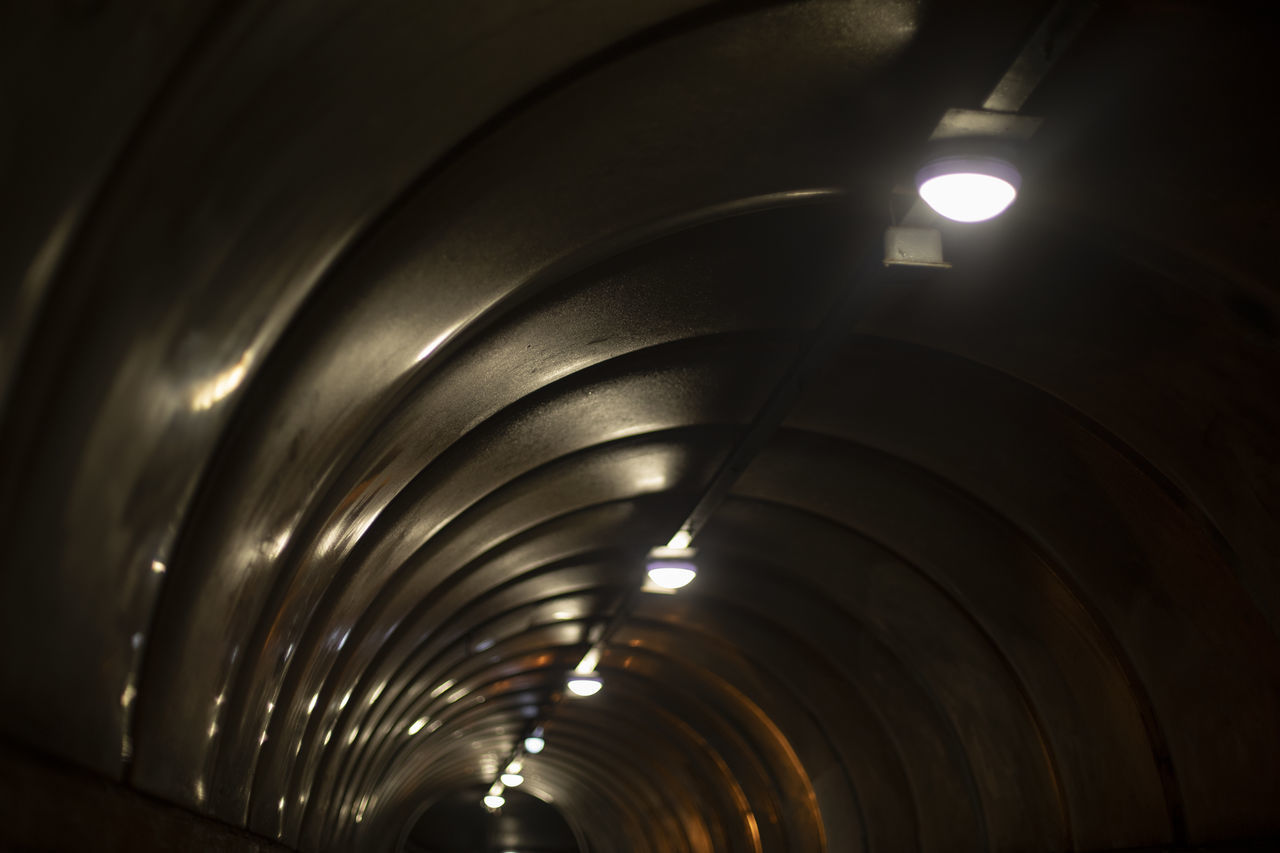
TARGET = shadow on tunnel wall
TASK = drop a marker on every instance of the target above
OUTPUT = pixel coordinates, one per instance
(353, 354)
(458, 823)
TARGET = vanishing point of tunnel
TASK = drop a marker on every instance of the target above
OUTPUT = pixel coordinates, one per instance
(639, 426)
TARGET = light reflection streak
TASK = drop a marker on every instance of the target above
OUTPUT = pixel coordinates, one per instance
(208, 393)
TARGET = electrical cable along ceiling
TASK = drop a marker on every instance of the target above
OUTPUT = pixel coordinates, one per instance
(356, 355)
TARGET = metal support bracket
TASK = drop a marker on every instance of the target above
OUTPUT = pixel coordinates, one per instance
(905, 246)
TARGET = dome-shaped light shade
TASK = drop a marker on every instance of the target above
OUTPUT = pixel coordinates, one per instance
(494, 801)
(534, 745)
(968, 189)
(512, 780)
(585, 684)
(671, 574)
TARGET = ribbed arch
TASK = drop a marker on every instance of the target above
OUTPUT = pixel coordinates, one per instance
(357, 354)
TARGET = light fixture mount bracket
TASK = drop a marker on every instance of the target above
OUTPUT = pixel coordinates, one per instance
(1009, 128)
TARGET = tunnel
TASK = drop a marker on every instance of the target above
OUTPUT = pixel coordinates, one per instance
(364, 364)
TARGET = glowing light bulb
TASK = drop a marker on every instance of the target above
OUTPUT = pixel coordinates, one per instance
(533, 744)
(671, 568)
(417, 726)
(494, 801)
(512, 780)
(968, 189)
(585, 684)
(672, 574)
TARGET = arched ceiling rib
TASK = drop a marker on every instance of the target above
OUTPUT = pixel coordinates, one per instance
(368, 354)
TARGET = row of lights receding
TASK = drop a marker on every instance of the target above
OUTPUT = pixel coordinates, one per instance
(511, 778)
(962, 188)
(668, 569)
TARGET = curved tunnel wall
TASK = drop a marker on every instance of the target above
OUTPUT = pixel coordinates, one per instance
(364, 356)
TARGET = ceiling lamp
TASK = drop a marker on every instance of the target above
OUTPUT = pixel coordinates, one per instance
(535, 742)
(494, 801)
(585, 683)
(671, 568)
(968, 188)
(512, 780)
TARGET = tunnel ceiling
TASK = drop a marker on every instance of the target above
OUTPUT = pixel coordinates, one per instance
(354, 355)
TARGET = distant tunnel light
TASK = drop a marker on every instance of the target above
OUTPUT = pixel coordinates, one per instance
(968, 189)
(671, 568)
(534, 744)
(585, 684)
(495, 801)
(512, 780)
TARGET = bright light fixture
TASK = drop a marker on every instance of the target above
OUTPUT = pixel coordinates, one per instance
(495, 801)
(512, 780)
(968, 189)
(417, 726)
(671, 574)
(585, 683)
(534, 744)
(671, 568)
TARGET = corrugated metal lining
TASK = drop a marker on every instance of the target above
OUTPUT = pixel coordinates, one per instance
(366, 355)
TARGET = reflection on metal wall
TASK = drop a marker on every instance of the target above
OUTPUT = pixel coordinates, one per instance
(354, 355)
